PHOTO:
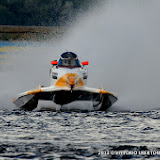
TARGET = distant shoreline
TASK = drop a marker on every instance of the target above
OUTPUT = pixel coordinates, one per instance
(8, 33)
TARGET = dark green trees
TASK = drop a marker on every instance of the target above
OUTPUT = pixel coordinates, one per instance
(41, 12)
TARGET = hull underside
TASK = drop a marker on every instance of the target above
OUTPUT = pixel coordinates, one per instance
(100, 102)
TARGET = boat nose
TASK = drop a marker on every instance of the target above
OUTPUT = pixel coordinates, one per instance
(71, 80)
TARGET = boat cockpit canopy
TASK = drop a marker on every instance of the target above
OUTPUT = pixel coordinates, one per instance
(69, 59)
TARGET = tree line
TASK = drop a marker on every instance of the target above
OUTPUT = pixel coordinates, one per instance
(42, 12)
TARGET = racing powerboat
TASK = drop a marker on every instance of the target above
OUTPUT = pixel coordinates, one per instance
(68, 85)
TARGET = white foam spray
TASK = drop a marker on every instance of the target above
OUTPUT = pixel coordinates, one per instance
(120, 40)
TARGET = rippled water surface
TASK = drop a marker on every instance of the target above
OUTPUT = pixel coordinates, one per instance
(71, 135)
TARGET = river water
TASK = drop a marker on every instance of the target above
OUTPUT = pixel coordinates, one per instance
(76, 135)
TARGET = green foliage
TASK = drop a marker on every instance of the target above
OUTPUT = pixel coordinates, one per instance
(41, 12)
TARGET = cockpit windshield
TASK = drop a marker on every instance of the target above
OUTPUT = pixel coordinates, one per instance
(69, 59)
